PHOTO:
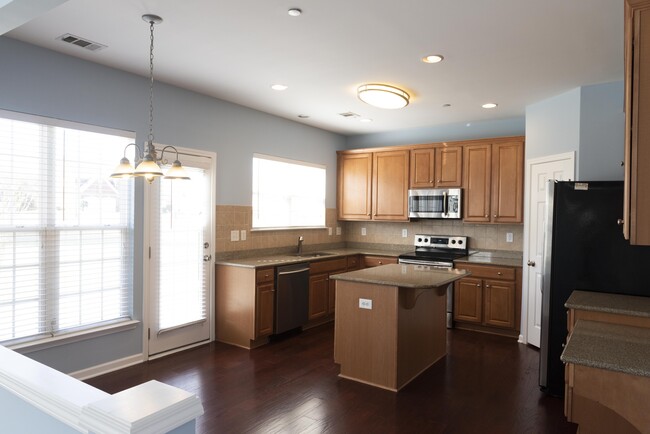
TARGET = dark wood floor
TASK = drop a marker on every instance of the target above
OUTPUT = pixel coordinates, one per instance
(485, 384)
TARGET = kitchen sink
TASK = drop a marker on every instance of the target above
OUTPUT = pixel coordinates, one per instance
(312, 255)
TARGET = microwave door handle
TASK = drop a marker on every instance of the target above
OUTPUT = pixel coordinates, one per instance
(445, 206)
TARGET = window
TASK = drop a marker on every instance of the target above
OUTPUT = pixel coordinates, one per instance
(66, 228)
(287, 193)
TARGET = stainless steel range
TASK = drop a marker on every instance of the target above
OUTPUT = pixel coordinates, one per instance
(437, 251)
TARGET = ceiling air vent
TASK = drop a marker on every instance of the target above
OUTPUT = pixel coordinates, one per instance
(80, 42)
(349, 115)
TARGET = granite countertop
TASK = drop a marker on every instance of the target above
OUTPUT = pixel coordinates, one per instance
(609, 346)
(493, 257)
(609, 303)
(286, 259)
(407, 276)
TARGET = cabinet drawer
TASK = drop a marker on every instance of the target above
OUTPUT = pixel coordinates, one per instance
(353, 262)
(327, 266)
(374, 261)
(264, 275)
(489, 271)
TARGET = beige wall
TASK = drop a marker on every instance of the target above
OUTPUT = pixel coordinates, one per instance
(231, 217)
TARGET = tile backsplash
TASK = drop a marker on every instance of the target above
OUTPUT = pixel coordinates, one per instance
(238, 218)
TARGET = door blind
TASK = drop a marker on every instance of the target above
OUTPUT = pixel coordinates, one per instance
(66, 230)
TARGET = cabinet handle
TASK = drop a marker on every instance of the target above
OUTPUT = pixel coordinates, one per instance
(620, 222)
(486, 216)
(438, 181)
(499, 273)
(495, 216)
(487, 286)
(478, 285)
(380, 263)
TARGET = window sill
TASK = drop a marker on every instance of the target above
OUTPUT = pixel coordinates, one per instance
(76, 336)
(291, 228)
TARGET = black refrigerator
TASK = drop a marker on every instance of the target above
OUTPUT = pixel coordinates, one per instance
(584, 249)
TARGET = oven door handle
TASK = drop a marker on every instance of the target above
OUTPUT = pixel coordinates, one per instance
(434, 264)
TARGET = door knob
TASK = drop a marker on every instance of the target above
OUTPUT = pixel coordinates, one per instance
(206, 245)
(206, 258)
(531, 263)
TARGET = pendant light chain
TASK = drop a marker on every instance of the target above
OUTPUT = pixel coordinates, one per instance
(150, 137)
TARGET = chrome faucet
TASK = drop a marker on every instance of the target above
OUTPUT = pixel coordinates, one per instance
(300, 240)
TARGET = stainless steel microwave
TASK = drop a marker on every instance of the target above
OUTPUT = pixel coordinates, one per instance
(435, 203)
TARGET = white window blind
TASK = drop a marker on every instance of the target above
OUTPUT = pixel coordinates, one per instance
(66, 229)
(287, 193)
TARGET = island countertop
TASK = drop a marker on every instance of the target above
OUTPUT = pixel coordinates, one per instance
(403, 275)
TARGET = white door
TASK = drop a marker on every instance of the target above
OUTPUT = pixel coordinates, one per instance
(180, 267)
(561, 168)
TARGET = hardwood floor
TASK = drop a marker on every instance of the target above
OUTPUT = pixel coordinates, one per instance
(485, 384)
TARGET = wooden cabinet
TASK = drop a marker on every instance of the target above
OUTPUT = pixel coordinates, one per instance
(244, 305)
(636, 212)
(265, 302)
(368, 261)
(493, 177)
(322, 291)
(373, 186)
(488, 298)
(436, 167)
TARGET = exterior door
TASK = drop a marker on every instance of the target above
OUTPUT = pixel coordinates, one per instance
(561, 168)
(181, 275)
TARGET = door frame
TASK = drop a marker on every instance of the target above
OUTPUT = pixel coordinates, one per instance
(146, 261)
(525, 300)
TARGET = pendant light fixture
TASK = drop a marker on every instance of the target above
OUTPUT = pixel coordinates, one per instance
(148, 163)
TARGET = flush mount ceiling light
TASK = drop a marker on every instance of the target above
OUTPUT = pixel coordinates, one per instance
(383, 96)
(147, 159)
(294, 12)
(433, 58)
(489, 105)
(279, 87)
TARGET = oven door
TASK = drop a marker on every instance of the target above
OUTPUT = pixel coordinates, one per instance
(429, 264)
(435, 203)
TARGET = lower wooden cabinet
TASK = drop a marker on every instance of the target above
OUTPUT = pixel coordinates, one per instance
(318, 296)
(322, 291)
(264, 309)
(488, 299)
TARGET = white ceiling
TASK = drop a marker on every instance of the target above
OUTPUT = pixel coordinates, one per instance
(512, 52)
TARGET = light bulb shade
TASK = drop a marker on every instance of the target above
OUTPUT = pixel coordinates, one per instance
(383, 96)
(148, 168)
(123, 170)
(176, 171)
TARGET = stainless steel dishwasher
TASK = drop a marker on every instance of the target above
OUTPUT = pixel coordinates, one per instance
(291, 297)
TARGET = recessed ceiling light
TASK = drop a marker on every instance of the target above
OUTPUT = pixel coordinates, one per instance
(432, 58)
(365, 120)
(489, 105)
(279, 87)
(294, 12)
(383, 96)
(446, 105)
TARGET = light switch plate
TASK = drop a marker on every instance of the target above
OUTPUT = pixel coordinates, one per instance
(363, 232)
(365, 303)
(242, 235)
(509, 237)
(329, 231)
(405, 233)
(234, 235)
(338, 230)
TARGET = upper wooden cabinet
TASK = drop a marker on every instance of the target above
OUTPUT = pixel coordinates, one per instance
(636, 212)
(436, 167)
(390, 180)
(373, 186)
(354, 186)
(493, 180)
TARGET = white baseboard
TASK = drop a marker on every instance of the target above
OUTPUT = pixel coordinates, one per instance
(107, 367)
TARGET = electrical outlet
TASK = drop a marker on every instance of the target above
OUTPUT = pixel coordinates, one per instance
(242, 235)
(365, 303)
(234, 235)
(405, 233)
(338, 230)
(363, 232)
(329, 231)
(509, 237)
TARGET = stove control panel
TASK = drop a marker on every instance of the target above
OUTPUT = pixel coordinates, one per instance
(440, 241)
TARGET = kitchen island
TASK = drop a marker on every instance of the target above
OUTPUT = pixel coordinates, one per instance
(390, 323)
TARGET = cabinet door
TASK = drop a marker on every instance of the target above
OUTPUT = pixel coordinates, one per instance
(264, 309)
(499, 304)
(354, 186)
(331, 303)
(422, 168)
(477, 175)
(318, 296)
(468, 300)
(636, 212)
(449, 165)
(390, 185)
(507, 182)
